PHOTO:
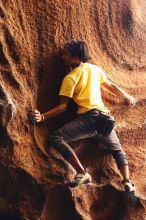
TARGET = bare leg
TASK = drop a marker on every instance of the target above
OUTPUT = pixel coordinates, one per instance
(125, 171)
(128, 185)
(74, 161)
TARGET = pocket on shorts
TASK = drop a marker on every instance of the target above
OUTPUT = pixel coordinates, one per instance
(105, 124)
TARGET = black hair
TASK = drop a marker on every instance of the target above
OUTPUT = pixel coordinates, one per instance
(78, 48)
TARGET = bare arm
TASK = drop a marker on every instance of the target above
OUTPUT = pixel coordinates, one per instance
(115, 89)
(62, 107)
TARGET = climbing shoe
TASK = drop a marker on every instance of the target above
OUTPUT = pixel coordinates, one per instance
(80, 179)
(128, 185)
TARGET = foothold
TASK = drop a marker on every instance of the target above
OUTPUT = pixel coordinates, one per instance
(11, 45)
(3, 59)
(2, 15)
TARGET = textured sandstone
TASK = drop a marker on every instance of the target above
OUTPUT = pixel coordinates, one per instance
(31, 32)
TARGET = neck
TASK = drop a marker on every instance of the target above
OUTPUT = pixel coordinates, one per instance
(74, 65)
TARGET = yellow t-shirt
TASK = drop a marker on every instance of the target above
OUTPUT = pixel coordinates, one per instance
(83, 85)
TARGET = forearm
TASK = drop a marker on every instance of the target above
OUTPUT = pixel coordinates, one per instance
(118, 91)
(54, 111)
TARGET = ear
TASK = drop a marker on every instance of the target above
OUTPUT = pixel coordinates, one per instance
(76, 58)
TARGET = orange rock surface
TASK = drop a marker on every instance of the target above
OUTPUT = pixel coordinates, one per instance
(31, 71)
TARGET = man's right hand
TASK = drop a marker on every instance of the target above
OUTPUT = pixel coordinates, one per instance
(36, 116)
(131, 101)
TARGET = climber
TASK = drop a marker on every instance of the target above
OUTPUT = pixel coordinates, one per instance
(83, 84)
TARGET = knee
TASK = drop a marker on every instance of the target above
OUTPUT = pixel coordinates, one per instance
(56, 140)
(120, 157)
(53, 139)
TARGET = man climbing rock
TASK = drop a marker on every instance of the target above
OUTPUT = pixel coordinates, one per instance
(83, 85)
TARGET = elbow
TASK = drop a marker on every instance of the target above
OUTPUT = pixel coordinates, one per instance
(63, 107)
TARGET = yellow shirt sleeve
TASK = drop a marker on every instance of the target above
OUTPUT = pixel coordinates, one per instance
(103, 75)
(67, 87)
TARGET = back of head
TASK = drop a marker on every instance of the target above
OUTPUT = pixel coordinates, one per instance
(78, 48)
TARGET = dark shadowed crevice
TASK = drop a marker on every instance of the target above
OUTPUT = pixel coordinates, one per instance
(127, 21)
(6, 144)
(59, 72)
(3, 59)
(59, 205)
(53, 84)
(11, 45)
(10, 215)
(10, 79)
(6, 109)
(20, 190)
(2, 15)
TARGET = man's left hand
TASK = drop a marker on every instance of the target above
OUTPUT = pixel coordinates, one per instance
(36, 116)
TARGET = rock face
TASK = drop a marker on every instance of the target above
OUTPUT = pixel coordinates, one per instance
(31, 71)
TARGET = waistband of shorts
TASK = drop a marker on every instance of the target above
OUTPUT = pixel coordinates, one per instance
(94, 110)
